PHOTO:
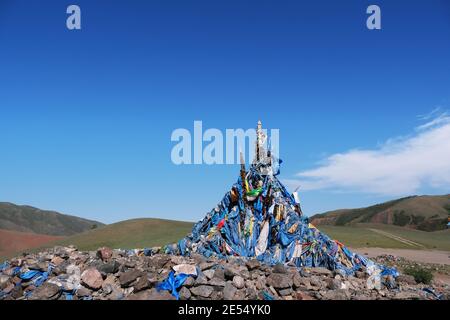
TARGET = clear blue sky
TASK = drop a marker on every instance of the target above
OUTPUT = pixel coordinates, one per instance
(86, 116)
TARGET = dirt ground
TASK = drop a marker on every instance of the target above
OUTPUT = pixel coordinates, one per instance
(424, 256)
(12, 242)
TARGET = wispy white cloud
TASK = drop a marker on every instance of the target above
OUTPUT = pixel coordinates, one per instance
(401, 166)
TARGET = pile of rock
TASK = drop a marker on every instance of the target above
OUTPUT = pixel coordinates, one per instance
(109, 274)
(403, 263)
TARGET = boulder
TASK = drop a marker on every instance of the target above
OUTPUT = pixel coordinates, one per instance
(321, 271)
(229, 291)
(186, 269)
(279, 281)
(215, 282)
(104, 253)
(48, 291)
(57, 261)
(333, 284)
(279, 268)
(189, 282)
(109, 267)
(336, 295)
(185, 293)
(92, 278)
(209, 273)
(151, 294)
(238, 282)
(128, 277)
(253, 264)
(142, 284)
(202, 291)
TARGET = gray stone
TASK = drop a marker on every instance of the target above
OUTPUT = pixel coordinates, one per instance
(301, 282)
(336, 295)
(279, 281)
(130, 264)
(185, 293)
(279, 268)
(253, 264)
(17, 292)
(8, 288)
(48, 291)
(245, 274)
(158, 261)
(201, 280)
(128, 277)
(260, 283)
(219, 273)
(300, 295)
(229, 291)
(321, 271)
(251, 294)
(83, 292)
(110, 267)
(202, 291)
(185, 269)
(239, 295)
(151, 294)
(315, 282)
(107, 288)
(216, 295)
(209, 273)
(198, 258)
(230, 272)
(285, 292)
(333, 284)
(142, 284)
(116, 294)
(216, 282)
(238, 282)
(189, 282)
(40, 266)
(206, 265)
(3, 281)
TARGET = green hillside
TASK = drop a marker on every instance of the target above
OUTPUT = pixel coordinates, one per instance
(129, 234)
(29, 219)
(426, 213)
(388, 236)
(141, 233)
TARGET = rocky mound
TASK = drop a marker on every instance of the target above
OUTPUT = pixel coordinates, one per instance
(64, 273)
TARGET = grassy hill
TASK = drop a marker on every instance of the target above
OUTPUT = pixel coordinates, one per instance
(388, 236)
(140, 233)
(129, 234)
(32, 220)
(426, 213)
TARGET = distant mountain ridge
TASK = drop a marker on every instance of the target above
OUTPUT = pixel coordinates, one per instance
(28, 219)
(426, 213)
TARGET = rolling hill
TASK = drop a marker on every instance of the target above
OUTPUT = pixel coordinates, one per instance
(426, 213)
(141, 233)
(130, 234)
(32, 220)
(388, 236)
